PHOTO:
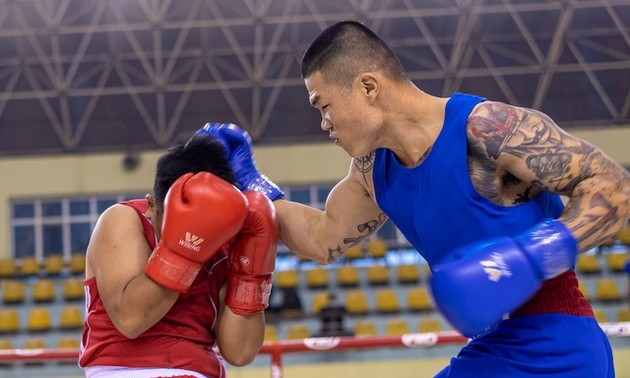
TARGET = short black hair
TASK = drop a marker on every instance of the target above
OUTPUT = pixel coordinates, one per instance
(347, 48)
(198, 154)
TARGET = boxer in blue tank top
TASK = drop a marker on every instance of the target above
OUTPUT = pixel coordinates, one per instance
(474, 185)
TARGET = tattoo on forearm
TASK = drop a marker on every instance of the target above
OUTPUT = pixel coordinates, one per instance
(334, 254)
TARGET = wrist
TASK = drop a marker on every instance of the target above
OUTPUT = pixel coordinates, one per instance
(551, 246)
(170, 270)
(247, 294)
(262, 184)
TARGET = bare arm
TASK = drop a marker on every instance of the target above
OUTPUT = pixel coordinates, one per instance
(116, 256)
(239, 337)
(349, 217)
(530, 146)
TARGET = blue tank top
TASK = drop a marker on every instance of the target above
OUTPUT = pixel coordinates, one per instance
(435, 204)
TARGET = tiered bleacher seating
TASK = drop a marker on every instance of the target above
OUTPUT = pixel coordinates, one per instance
(407, 274)
(29, 266)
(396, 327)
(376, 248)
(54, 265)
(8, 268)
(348, 276)
(12, 291)
(365, 328)
(43, 291)
(378, 275)
(317, 278)
(356, 302)
(298, 331)
(419, 300)
(387, 301)
(354, 253)
(9, 321)
(430, 324)
(588, 263)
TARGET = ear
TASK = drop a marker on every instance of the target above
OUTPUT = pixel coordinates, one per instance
(369, 84)
(152, 210)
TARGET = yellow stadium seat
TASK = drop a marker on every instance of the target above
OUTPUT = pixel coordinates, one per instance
(7, 267)
(77, 263)
(607, 243)
(623, 314)
(588, 264)
(53, 265)
(287, 279)
(584, 289)
(365, 328)
(396, 327)
(347, 276)
(377, 275)
(12, 291)
(73, 289)
(623, 235)
(429, 324)
(68, 342)
(616, 261)
(376, 248)
(319, 300)
(34, 343)
(39, 319)
(271, 333)
(407, 274)
(353, 253)
(317, 278)
(356, 302)
(600, 316)
(71, 317)
(387, 301)
(418, 299)
(6, 344)
(44, 290)
(606, 290)
(297, 331)
(9, 320)
(29, 266)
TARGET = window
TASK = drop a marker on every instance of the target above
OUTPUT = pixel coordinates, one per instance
(42, 227)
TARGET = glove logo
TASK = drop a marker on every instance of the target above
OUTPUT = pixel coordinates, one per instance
(496, 267)
(191, 241)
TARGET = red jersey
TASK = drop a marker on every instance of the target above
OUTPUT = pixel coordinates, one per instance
(182, 339)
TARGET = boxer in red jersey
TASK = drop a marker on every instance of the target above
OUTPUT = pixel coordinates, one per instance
(173, 287)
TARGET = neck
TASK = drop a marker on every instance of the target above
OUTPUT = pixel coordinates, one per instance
(413, 124)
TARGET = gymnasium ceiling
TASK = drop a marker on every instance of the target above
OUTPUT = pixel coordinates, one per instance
(82, 76)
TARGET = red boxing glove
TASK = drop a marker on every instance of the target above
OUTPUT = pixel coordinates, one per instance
(201, 213)
(253, 258)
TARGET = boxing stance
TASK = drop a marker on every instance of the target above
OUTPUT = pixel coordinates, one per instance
(475, 186)
(178, 283)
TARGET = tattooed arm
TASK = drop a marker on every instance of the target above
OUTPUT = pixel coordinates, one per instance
(350, 216)
(528, 145)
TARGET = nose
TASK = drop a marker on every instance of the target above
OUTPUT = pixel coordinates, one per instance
(325, 125)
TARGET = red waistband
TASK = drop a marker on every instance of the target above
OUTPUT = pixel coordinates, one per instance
(559, 295)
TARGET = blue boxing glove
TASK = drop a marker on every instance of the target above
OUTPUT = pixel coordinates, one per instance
(239, 149)
(480, 283)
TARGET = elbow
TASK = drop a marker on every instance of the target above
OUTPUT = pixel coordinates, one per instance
(129, 328)
(241, 359)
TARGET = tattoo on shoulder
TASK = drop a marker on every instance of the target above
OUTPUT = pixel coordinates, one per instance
(493, 124)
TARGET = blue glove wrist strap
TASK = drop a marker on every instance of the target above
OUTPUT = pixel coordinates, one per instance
(551, 246)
